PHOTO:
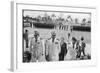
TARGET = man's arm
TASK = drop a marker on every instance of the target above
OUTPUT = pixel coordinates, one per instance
(46, 47)
(30, 45)
(59, 47)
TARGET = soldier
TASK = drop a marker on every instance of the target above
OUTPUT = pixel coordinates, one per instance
(83, 45)
(37, 48)
(26, 38)
(52, 48)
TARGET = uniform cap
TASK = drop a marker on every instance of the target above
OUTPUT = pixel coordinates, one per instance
(36, 33)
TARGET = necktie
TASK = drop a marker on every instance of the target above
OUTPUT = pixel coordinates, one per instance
(52, 40)
(35, 40)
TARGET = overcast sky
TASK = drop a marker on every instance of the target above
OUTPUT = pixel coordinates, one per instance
(80, 16)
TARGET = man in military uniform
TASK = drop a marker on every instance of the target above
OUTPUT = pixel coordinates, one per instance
(83, 45)
(52, 48)
(37, 48)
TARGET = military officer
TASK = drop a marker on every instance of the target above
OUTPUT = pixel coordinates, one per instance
(37, 48)
(53, 48)
(83, 45)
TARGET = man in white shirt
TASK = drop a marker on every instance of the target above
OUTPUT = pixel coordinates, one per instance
(53, 48)
(37, 48)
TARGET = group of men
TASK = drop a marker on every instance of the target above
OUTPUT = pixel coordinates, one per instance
(52, 49)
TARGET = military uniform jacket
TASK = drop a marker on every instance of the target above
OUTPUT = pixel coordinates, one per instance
(37, 48)
(53, 49)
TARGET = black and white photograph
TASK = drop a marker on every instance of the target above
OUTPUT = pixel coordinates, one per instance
(49, 36)
(52, 36)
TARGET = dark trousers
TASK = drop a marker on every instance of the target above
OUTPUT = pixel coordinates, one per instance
(78, 54)
(61, 57)
(26, 56)
(47, 58)
(26, 43)
(83, 51)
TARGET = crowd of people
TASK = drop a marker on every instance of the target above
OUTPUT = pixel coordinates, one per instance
(53, 48)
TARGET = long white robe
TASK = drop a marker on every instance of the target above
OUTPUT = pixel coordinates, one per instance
(71, 55)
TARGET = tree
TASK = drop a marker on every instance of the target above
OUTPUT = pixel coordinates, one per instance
(69, 18)
(53, 15)
(76, 21)
(84, 21)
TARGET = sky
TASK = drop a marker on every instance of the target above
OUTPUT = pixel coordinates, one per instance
(80, 16)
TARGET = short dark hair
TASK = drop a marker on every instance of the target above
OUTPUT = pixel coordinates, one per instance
(74, 39)
(68, 34)
(82, 38)
(26, 30)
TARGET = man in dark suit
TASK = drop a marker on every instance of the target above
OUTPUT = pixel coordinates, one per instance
(26, 38)
(63, 51)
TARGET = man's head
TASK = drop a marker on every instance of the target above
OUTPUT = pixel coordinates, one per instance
(82, 38)
(36, 34)
(62, 39)
(53, 34)
(74, 39)
(26, 30)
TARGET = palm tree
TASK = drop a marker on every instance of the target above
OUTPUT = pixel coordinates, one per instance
(76, 21)
(84, 21)
(53, 15)
(69, 19)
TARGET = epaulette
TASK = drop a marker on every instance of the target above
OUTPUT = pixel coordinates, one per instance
(58, 39)
(32, 37)
(41, 38)
(48, 38)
